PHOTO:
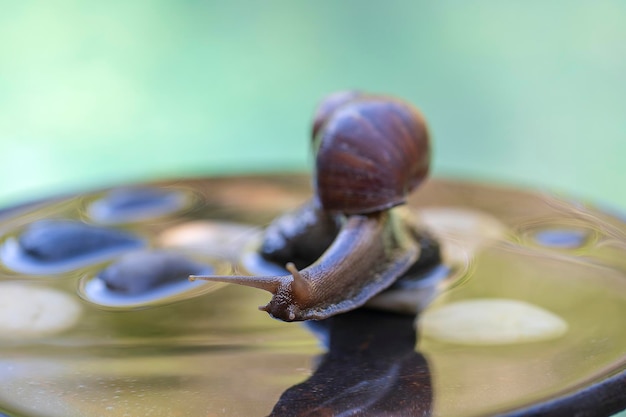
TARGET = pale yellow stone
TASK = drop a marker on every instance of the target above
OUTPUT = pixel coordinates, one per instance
(33, 311)
(462, 222)
(460, 230)
(212, 238)
(490, 322)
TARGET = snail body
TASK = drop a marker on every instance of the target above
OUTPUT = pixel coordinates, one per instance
(371, 152)
(300, 236)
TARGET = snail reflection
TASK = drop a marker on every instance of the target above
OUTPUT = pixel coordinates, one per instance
(371, 369)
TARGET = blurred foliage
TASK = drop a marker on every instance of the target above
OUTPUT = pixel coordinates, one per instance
(99, 93)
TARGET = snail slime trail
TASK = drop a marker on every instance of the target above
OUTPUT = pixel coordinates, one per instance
(353, 239)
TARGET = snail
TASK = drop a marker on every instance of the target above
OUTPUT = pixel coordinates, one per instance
(371, 152)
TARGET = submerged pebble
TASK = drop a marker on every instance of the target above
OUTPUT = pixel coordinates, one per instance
(51, 246)
(461, 232)
(138, 272)
(491, 322)
(28, 311)
(463, 222)
(62, 240)
(561, 238)
(225, 239)
(136, 203)
(147, 279)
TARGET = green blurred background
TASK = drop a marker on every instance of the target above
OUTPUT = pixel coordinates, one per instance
(529, 93)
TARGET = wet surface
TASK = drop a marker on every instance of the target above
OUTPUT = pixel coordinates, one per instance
(172, 347)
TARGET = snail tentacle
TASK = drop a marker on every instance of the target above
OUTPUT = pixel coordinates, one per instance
(266, 283)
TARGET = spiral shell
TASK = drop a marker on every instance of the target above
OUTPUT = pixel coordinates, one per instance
(372, 151)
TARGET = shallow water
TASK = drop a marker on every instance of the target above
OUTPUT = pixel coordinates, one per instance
(204, 349)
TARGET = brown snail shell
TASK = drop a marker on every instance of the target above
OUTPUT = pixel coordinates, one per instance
(372, 152)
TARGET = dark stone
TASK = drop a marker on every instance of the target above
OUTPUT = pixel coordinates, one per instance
(561, 238)
(139, 272)
(133, 204)
(65, 240)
